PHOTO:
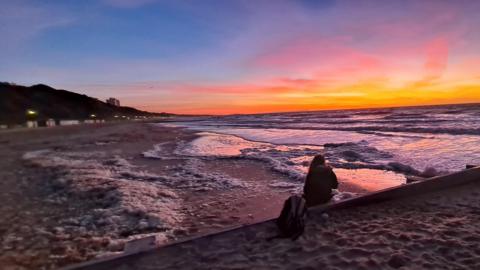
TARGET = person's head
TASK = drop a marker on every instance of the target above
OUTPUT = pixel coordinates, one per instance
(318, 160)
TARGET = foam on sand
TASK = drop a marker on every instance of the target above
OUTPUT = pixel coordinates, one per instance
(191, 175)
(155, 152)
(433, 230)
(128, 202)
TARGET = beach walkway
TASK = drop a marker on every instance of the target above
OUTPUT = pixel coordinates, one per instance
(432, 225)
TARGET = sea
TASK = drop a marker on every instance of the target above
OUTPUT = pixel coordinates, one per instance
(372, 148)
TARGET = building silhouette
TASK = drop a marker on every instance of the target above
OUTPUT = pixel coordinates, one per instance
(113, 101)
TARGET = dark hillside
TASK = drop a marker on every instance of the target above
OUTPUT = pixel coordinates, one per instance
(48, 102)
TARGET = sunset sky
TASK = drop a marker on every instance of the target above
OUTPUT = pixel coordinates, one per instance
(246, 56)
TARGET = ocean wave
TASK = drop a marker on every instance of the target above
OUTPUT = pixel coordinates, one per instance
(403, 129)
(396, 134)
(453, 129)
(285, 159)
(192, 175)
(373, 112)
(406, 115)
(293, 160)
(360, 153)
(443, 137)
(431, 130)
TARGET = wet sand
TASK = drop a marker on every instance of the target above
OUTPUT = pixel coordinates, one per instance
(438, 230)
(70, 194)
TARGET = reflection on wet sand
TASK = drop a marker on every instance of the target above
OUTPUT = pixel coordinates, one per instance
(368, 179)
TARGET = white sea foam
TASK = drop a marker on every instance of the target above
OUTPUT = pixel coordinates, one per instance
(340, 196)
(212, 144)
(289, 160)
(156, 152)
(293, 160)
(128, 200)
(192, 174)
(286, 185)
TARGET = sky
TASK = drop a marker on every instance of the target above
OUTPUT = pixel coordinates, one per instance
(225, 57)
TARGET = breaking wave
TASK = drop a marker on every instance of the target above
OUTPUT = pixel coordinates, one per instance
(403, 140)
(292, 160)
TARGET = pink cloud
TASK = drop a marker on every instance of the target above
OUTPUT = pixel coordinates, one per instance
(436, 57)
(413, 44)
(323, 58)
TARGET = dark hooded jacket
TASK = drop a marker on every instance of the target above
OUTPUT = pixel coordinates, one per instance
(319, 184)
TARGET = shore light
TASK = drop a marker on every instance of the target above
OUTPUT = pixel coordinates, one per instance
(31, 112)
(93, 115)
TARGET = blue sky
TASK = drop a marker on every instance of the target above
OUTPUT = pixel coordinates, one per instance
(197, 56)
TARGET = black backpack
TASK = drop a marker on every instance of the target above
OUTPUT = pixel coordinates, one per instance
(291, 221)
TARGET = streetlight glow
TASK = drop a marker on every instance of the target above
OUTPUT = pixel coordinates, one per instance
(31, 112)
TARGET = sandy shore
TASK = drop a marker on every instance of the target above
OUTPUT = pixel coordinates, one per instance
(437, 230)
(70, 194)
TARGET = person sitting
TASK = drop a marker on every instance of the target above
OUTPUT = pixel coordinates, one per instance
(319, 182)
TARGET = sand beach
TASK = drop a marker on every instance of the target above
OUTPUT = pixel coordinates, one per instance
(437, 230)
(79, 193)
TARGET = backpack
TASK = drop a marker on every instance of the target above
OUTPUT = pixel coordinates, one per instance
(291, 221)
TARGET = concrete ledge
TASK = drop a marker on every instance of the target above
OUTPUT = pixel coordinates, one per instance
(403, 191)
(406, 190)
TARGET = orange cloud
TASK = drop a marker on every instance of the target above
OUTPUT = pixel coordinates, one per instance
(294, 95)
